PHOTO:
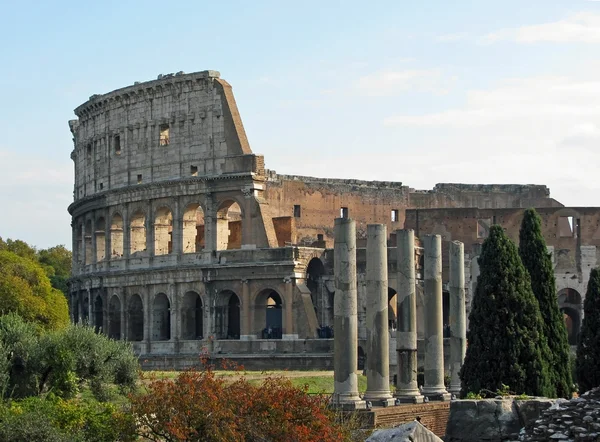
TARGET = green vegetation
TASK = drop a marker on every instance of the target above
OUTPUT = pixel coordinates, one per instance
(537, 261)
(505, 336)
(588, 348)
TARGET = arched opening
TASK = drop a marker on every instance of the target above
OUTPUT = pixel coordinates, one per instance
(392, 309)
(137, 235)
(193, 229)
(89, 251)
(116, 236)
(135, 312)
(314, 282)
(268, 315)
(161, 330)
(114, 318)
(569, 302)
(362, 357)
(229, 226)
(98, 314)
(192, 316)
(227, 316)
(446, 313)
(100, 239)
(163, 230)
(85, 311)
(75, 310)
(79, 251)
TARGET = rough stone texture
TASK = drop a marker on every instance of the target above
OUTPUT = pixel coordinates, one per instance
(458, 316)
(378, 351)
(410, 432)
(345, 381)
(575, 420)
(492, 420)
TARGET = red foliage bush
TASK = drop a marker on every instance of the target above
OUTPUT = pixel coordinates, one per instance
(199, 406)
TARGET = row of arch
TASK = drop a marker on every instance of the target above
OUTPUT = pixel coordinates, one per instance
(268, 316)
(228, 230)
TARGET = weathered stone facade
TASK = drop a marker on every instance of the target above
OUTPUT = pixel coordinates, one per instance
(184, 242)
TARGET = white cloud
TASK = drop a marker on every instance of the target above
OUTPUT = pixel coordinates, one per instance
(394, 82)
(582, 27)
(35, 192)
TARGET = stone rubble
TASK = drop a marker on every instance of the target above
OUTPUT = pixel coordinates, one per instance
(575, 420)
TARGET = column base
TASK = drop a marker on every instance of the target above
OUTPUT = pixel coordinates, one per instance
(437, 395)
(382, 399)
(416, 398)
(349, 405)
(289, 337)
(455, 389)
(247, 337)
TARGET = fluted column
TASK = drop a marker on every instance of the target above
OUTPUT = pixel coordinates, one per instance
(345, 355)
(407, 389)
(378, 342)
(458, 320)
(434, 387)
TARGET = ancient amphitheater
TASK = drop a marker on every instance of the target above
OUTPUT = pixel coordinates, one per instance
(184, 243)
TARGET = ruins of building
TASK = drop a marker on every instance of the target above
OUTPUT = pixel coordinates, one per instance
(183, 242)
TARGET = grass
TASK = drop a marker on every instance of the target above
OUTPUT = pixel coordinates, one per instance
(318, 382)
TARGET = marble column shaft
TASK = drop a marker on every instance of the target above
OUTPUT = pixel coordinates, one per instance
(378, 340)
(434, 340)
(458, 321)
(407, 389)
(345, 320)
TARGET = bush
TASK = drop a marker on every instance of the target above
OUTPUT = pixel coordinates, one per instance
(588, 348)
(198, 406)
(61, 361)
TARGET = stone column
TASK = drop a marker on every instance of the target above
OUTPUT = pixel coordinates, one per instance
(288, 311)
(378, 351)
(434, 387)
(246, 333)
(458, 321)
(147, 319)
(407, 389)
(345, 344)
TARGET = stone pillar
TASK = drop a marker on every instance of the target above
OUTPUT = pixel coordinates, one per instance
(288, 311)
(175, 317)
(246, 333)
(210, 228)
(147, 319)
(434, 387)
(378, 351)
(345, 354)
(407, 389)
(458, 320)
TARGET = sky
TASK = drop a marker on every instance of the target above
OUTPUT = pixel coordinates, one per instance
(424, 92)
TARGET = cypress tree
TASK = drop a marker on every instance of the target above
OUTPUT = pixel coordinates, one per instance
(537, 261)
(505, 344)
(588, 346)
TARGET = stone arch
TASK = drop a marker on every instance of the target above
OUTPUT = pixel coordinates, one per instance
(98, 312)
(89, 251)
(392, 308)
(163, 231)
(100, 239)
(570, 304)
(161, 315)
(192, 316)
(193, 228)
(116, 236)
(85, 313)
(227, 315)
(137, 235)
(268, 314)
(135, 323)
(229, 225)
(114, 317)
(314, 282)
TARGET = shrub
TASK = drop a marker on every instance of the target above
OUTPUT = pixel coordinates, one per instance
(588, 348)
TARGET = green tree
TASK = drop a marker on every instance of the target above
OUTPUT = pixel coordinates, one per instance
(57, 262)
(588, 347)
(505, 337)
(25, 289)
(537, 261)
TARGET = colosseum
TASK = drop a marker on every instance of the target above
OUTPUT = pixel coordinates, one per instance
(183, 242)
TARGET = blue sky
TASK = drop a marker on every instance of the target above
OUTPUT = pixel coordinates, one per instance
(419, 92)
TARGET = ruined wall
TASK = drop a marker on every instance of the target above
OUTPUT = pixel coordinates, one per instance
(315, 202)
(174, 127)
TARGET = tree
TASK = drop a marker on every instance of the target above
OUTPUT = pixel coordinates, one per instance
(57, 262)
(505, 337)
(588, 346)
(25, 289)
(199, 406)
(538, 263)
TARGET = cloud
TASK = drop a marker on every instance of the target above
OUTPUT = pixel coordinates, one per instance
(394, 82)
(447, 38)
(582, 27)
(35, 192)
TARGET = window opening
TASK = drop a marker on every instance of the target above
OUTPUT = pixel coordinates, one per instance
(344, 212)
(297, 210)
(117, 145)
(395, 215)
(194, 170)
(139, 179)
(164, 134)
